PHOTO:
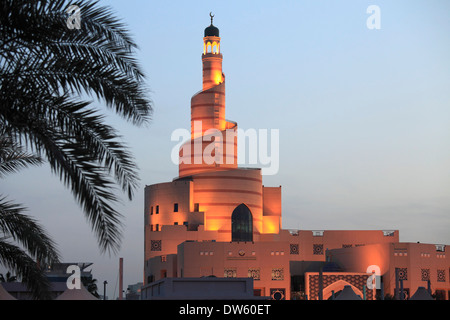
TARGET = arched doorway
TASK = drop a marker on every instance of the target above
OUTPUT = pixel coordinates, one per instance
(337, 287)
(241, 224)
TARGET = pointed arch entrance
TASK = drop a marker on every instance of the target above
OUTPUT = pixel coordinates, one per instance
(241, 224)
(337, 287)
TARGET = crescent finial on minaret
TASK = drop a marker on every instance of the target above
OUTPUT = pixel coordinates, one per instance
(212, 17)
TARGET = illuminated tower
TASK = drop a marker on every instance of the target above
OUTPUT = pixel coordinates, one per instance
(212, 58)
(212, 200)
(218, 219)
(213, 144)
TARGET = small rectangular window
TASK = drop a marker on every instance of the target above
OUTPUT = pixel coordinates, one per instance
(175, 223)
(151, 210)
(175, 207)
(196, 207)
(157, 227)
(157, 209)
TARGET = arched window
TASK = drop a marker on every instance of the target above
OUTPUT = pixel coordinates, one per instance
(241, 224)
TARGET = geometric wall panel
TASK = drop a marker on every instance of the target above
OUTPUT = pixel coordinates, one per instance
(425, 274)
(278, 274)
(356, 280)
(402, 273)
(230, 273)
(155, 245)
(254, 273)
(441, 275)
(318, 249)
(294, 248)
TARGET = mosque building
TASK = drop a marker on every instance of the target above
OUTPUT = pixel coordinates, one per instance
(218, 220)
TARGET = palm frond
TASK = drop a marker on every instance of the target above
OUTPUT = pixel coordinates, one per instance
(36, 250)
(26, 231)
(13, 158)
(83, 152)
(14, 258)
(77, 123)
(97, 60)
(44, 69)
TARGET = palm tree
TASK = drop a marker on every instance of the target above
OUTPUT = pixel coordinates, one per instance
(91, 285)
(46, 71)
(9, 277)
(30, 243)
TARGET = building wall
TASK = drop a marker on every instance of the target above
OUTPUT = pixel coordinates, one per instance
(271, 209)
(199, 289)
(164, 242)
(266, 263)
(160, 200)
(205, 204)
(309, 245)
(219, 193)
(212, 152)
(416, 263)
(160, 267)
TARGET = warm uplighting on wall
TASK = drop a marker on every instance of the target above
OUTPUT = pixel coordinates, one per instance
(218, 78)
(213, 225)
(270, 227)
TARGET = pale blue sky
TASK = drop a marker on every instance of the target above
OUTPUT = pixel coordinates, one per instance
(364, 115)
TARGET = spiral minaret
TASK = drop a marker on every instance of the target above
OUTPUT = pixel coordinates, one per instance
(213, 144)
(212, 201)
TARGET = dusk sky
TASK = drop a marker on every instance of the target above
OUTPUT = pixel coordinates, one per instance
(363, 116)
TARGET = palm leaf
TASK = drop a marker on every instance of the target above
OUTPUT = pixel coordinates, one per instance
(13, 158)
(26, 268)
(26, 231)
(67, 140)
(35, 244)
(44, 70)
(96, 60)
